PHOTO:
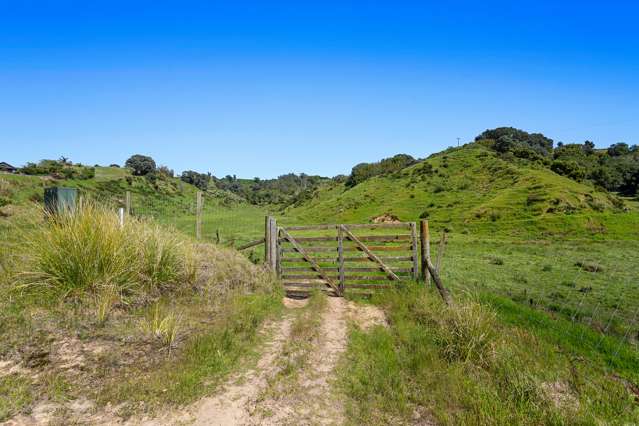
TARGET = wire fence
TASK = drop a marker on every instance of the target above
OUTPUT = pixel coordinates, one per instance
(590, 287)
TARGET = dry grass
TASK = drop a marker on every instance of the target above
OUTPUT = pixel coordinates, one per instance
(84, 250)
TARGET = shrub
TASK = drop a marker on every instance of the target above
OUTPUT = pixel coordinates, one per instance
(199, 180)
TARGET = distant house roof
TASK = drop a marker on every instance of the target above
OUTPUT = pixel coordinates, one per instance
(7, 167)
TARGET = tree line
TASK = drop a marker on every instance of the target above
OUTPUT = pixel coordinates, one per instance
(615, 168)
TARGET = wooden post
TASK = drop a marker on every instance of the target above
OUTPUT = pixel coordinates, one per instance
(413, 235)
(121, 217)
(217, 236)
(278, 259)
(272, 243)
(424, 236)
(340, 257)
(127, 203)
(438, 283)
(267, 240)
(198, 216)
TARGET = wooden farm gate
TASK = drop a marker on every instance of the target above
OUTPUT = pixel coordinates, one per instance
(344, 257)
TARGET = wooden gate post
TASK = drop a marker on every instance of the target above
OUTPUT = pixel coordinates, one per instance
(424, 236)
(270, 243)
(267, 240)
(198, 216)
(340, 257)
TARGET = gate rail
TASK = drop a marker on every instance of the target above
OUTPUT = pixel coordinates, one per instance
(343, 257)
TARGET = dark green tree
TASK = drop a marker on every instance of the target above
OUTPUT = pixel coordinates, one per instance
(141, 165)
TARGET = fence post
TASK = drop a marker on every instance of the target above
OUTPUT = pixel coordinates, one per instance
(121, 217)
(340, 257)
(278, 259)
(198, 216)
(413, 237)
(267, 240)
(424, 236)
(272, 243)
(127, 203)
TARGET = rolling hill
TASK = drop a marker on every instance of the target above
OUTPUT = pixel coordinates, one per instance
(469, 188)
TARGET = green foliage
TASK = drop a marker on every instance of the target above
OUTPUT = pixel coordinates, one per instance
(568, 168)
(387, 166)
(616, 168)
(199, 180)
(509, 139)
(141, 165)
(288, 189)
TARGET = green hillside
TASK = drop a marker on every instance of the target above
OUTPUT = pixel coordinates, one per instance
(469, 188)
(166, 199)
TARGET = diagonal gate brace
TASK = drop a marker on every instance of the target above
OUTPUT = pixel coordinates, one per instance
(313, 264)
(369, 253)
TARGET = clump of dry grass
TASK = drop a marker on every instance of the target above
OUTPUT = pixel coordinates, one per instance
(77, 251)
(162, 325)
(466, 332)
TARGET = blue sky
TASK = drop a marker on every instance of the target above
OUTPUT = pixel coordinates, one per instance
(266, 88)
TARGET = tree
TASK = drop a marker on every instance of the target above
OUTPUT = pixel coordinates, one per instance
(200, 180)
(508, 138)
(618, 149)
(588, 148)
(140, 164)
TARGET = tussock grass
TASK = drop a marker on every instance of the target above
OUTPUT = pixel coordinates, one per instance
(84, 250)
(466, 332)
(163, 325)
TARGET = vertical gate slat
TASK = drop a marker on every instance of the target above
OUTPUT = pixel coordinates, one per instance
(278, 261)
(413, 234)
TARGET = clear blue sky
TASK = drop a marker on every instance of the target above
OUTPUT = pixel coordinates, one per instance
(265, 88)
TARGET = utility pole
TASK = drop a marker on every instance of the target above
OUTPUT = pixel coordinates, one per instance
(457, 142)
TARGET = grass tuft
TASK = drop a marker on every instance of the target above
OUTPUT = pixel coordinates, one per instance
(84, 250)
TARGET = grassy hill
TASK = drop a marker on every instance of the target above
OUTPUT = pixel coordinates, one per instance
(167, 200)
(472, 189)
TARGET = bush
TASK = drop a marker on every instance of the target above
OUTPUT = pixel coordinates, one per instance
(141, 165)
(199, 180)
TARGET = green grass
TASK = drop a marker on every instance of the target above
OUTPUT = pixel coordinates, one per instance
(203, 362)
(546, 275)
(474, 364)
(15, 394)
